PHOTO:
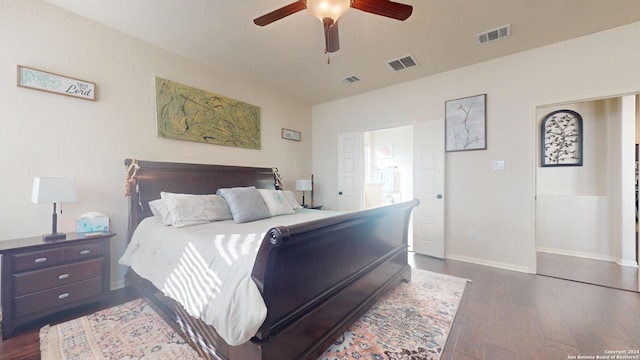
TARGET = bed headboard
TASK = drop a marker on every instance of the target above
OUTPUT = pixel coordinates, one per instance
(153, 177)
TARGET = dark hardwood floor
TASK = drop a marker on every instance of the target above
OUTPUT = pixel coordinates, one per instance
(503, 315)
(604, 273)
(511, 315)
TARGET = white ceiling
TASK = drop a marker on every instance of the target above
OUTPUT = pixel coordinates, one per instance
(288, 55)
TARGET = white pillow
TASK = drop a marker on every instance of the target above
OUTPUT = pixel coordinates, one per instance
(291, 199)
(221, 207)
(246, 204)
(276, 202)
(189, 209)
(160, 211)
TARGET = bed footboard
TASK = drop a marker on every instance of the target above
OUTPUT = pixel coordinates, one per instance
(318, 277)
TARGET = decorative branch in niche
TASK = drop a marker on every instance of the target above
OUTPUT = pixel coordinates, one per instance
(561, 137)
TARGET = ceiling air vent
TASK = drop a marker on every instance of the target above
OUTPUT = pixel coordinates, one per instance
(495, 34)
(351, 79)
(402, 63)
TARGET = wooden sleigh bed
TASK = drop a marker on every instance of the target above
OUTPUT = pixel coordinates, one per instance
(355, 258)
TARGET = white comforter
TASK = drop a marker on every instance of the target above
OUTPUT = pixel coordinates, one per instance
(207, 268)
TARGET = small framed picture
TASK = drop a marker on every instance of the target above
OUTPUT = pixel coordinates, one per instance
(291, 134)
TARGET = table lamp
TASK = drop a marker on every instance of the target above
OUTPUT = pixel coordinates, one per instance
(53, 190)
(303, 185)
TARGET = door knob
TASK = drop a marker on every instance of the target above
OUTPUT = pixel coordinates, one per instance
(439, 196)
(340, 193)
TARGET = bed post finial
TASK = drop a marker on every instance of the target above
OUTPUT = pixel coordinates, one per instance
(277, 236)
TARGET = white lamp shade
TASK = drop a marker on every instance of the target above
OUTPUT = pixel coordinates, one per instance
(303, 184)
(333, 9)
(53, 190)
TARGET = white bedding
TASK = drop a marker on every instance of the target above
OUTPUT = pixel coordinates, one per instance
(207, 268)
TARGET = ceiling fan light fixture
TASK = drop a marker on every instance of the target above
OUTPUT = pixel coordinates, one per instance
(332, 9)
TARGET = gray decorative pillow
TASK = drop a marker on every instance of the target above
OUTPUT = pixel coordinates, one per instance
(246, 204)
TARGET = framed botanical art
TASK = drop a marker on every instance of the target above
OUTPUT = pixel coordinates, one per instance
(466, 123)
(561, 139)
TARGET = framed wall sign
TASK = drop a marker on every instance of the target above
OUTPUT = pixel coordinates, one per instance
(291, 134)
(54, 83)
(561, 139)
(466, 123)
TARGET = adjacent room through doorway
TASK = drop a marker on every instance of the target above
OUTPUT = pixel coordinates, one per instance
(585, 207)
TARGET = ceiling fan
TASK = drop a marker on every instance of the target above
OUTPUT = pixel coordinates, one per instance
(329, 11)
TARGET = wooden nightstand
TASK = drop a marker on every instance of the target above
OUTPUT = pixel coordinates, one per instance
(42, 278)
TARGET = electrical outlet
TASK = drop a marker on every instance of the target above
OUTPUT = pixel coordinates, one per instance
(473, 235)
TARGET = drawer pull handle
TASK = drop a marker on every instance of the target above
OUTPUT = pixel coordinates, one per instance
(85, 252)
(63, 276)
(62, 296)
(40, 260)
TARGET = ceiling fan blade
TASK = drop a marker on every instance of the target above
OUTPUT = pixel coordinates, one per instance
(386, 8)
(332, 42)
(280, 13)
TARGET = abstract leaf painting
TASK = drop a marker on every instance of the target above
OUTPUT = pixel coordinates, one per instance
(465, 123)
(187, 113)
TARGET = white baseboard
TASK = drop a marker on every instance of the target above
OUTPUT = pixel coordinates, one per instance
(585, 255)
(579, 254)
(117, 285)
(495, 264)
(629, 263)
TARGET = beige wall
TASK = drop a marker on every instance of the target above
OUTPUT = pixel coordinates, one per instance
(498, 204)
(44, 134)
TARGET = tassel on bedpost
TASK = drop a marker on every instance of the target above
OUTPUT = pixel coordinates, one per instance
(130, 175)
(277, 179)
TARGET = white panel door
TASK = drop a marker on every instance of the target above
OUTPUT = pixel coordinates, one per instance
(350, 171)
(428, 187)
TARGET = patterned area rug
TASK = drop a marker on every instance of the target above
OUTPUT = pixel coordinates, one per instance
(129, 331)
(411, 323)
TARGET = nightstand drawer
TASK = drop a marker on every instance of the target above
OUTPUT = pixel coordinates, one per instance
(50, 299)
(32, 281)
(83, 251)
(37, 259)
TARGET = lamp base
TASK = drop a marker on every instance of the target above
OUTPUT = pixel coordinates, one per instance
(55, 236)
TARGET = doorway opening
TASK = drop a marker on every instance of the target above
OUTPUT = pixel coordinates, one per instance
(388, 166)
(585, 215)
(399, 164)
